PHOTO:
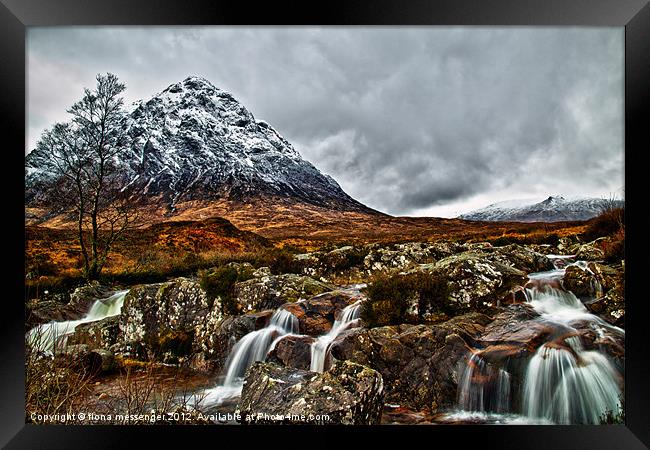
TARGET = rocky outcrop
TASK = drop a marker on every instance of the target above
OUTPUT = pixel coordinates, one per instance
(420, 364)
(348, 394)
(317, 315)
(271, 291)
(163, 317)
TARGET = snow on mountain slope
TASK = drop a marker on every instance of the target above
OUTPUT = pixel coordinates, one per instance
(553, 209)
(193, 141)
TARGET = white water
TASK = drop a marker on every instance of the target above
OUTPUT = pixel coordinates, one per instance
(484, 388)
(570, 387)
(562, 383)
(52, 336)
(320, 348)
(254, 346)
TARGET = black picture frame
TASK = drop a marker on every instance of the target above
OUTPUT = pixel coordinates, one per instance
(16, 15)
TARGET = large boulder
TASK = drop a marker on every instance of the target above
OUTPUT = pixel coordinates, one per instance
(163, 317)
(479, 281)
(317, 315)
(293, 351)
(420, 364)
(101, 334)
(271, 291)
(590, 252)
(348, 394)
(215, 337)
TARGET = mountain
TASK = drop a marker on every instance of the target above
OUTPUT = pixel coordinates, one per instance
(194, 145)
(553, 209)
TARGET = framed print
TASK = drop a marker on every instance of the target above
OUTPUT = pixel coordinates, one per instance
(353, 221)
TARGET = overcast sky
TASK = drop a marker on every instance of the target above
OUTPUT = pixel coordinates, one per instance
(409, 120)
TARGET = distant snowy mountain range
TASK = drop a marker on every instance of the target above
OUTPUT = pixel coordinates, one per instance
(553, 209)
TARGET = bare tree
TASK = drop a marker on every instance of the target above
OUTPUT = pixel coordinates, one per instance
(82, 156)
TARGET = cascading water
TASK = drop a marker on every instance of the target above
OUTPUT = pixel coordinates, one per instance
(484, 388)
(51, 336)
(254, 346)
(562, 382)
(320, 348)
(570, 385)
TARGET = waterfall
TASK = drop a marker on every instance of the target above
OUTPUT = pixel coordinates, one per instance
(51, 336)
(562, 382)
(483, 387)
(570, 386)
(254, 346)
(320, 348)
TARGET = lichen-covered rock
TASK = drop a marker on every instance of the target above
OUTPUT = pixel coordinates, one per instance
(101, 334)
(271, 291)
(215, 337)
(581, 282)
(611, 306)
(317, 315)
(420, 364)
(590, 252)
(399, 256)
(293, 351)
(478, 281)
(347, 394)
(163, 316)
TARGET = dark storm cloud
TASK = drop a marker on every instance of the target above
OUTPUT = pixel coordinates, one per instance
(407, 120)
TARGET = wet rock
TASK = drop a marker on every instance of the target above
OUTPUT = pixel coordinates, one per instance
(101, 334)
(348, 394)
(271, 291)
(515, 332)
(610, 307)
(63, 307)
(420, 364)
(581, 282)
(215, 337)
(163, 316)
(293, 351)
(317, 315)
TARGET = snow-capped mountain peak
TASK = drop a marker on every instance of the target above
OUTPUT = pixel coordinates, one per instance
(194, 141)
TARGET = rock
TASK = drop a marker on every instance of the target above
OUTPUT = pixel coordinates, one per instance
(581, 282)
(293, 351)
(478, 281)
(398, 256)
(62, 307)
(610, 307)
(163, 317)
(515, 332)
(420, 364)
(270, 292)
(215, 338)
(589, 252)
(92, 362)
(317, 315)
(348, 394)
(101, 334)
